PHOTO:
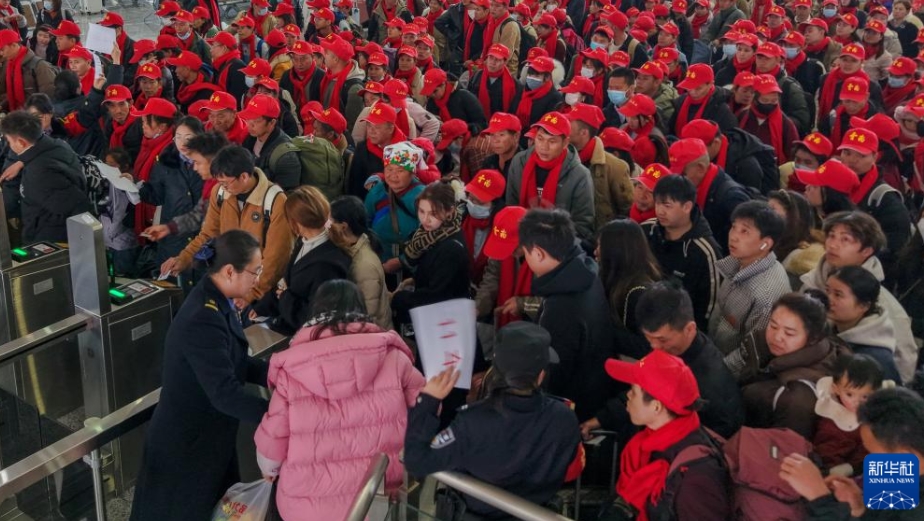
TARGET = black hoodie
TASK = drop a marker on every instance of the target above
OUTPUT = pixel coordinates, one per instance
(691, 259)
(751, 162)
(576, 315)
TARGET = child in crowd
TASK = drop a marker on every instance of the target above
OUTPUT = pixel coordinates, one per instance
(116, 216)
(837, 434)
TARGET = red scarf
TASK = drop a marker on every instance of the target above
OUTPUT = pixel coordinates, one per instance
(10, 11)
(86, 83)
(493, 24)
(703, 189)
(587, 153)
(589, 22)
(774, 122)
(389, 12)
(443, 103)
(639, 216)
(844, 40)
(15, 90)
(818, 47)
(529, 193)
(425, 65)
(598, 89)
(892, 98)
(188, 91)
(207, 188)
(407, 77)
(837, 126)
(467, 52)
(830, 88)
(299, 82)
(723, 153)
(144, 163)
(867, 181)
(872, 49)
(550, 43)
(777, 34)
(219, 65)
(684, 111)
(516, 280)
(508, 87)
(432, 15)
(525, 108)
(339, 79)
(697, 22)
(759, 12)
(470, 225)
(378, 151)
(402, 121)
(641, 480)
(142, 100)
(118, 131)
(793, 65)
(258, 22)
(744, 66)
(120, 40)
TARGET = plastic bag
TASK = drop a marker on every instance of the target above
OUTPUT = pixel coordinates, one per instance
(245, 502)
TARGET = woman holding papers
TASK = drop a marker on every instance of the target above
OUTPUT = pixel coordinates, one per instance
(341, 394)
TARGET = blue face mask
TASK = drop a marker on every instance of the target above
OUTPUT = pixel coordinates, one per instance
(791, 52)
(829, 12)
(617, 97)
(897, 82)
(596, 45)
(262, 11)
(730, 49)
(533, 83)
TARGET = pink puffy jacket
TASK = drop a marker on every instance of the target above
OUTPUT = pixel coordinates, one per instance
(338, 401)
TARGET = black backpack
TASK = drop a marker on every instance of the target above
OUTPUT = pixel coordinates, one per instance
(527, 40)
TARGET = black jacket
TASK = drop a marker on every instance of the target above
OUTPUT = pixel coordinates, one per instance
(287, 171)
(53, 188)
(576, 315)
(637, 57)
(723, 197)
(290, 310)
(236, 85)
(794, 102)
(496, 93)
(827, 508)
(190, 445)
(540, 108)
(450, 23)
(364, 164)
(691, 259)
(747, 161)
(809, 75)
(522, 444)
(463, 105)
(893, 217)
(493, 162)
(442, 273)
(312, 88)
(685, 39)
(717, 110)
(177, 189)
(724, 412)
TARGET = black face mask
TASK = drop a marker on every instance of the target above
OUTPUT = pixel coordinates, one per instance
(920, 129)
(765, 108)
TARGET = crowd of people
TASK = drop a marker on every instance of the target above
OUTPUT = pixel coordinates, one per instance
(678, 222)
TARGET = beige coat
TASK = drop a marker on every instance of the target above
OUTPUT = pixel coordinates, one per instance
(367, 272)
(510, 38)
(612, 186)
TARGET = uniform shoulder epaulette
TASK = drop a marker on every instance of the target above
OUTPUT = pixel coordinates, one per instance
(211, 304)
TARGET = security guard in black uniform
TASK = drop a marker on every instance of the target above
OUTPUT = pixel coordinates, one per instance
(190, 447)
(518, 438)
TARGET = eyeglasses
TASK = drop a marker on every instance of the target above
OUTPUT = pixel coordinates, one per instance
(257, 273)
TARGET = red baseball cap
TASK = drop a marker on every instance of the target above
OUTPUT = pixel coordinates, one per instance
(245, 21)
(498, 50)
(554, 123)
(396, 22)
(142, 47)
(260, 3)
(684, 151)
(660, 11)
(167, 7)
(284, 8)
(117, 93)
(541, 64)
(765, 84)
(668, 55)
(619, 59)
(410, 28)
(651, 69)
(920, 38)
(184, 16)
(878, 9)
(547, 20)
(849, 19)
(275, 38)
(408, 50)
(703, 129)
(605, 30)
(168, 41)
(268, 83)
(332, 118)
(293, 30)
(200, 12)
(770, 49)
(875, 26)
(112, 19)
(450, 131)
(501, 122)
(618, 19)
(158, 107)
(223, 38)
(794, 38)
(325, 14)
(66, 28)
(340, 47)
(397, 92)
(860, 140)
(776, 10)
(8, 36)
(257, 67)
(150, 71)
(749, 39)
(698, 74)
(301, 48)
(802, 3)
(535, 52)
(651, 175)
(80, 52)
(220, 100)
(377, 58)
(855, 88)
(599, 55)
(372, 87)
(679, 6)
(817, 144)
(644, 22)
(504, 238)
(833, 174)
(902, 67)
(260, 105)
(433, 78)
(579, 85)
(854, 51)
(814, 22)
(617, 138)
(586, 113)
(744, 79)
(381, 113)
(885, 128)
(487, 185)
(665, 377)
(427, 40)
(523, 10)
(638, 105)
(670, 28)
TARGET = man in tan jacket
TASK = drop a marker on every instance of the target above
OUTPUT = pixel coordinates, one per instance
(505, 31)
(31, 73)
(242, 200)
(610, 175)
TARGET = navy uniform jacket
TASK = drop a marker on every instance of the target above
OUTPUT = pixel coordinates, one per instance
(523, 445)
(190, 447)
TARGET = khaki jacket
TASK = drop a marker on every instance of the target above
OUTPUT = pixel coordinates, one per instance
(277, 245)
(612, 186)
(367, 272)
(510, 38)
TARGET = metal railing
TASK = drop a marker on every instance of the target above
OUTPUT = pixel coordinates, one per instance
(81, 445)
(498, 498)
(371, 483)
(50, 332)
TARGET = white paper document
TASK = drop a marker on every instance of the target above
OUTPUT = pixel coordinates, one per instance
(100, 39)
(445, 334)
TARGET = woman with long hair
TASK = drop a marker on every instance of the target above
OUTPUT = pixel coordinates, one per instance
(802, 244)
(315, 259)
(340, 397)
(828, 188)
